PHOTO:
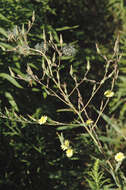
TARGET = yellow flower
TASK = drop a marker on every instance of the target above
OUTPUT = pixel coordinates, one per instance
(42, 120)
(65, 145)
(69, 152)
(89, 122)
(108, 94)
(119, 157)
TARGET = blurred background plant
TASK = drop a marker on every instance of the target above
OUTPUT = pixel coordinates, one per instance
(30, 154)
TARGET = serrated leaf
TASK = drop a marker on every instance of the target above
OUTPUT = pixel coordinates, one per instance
(10, 79)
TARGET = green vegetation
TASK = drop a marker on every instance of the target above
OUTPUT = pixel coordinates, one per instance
(62, 95)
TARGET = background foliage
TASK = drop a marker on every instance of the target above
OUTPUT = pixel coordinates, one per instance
(30, 155)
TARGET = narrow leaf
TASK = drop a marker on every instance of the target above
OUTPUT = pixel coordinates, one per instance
(66, 28)
(68, 127)
(10, 79)
(2, 17)
(2, 31)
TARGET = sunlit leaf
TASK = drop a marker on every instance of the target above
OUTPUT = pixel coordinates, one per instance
(10, 79)
(68, 127)
(66, 28)
(2, 17)
(2, 31)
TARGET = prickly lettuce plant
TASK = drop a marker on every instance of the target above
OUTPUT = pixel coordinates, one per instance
(53, 54)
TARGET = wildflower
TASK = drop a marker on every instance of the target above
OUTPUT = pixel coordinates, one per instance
(89, 122)
(13, 34)
(42, 120)
(69, 50)
(108, 94)
(43, 46)
(23, 49)
(65, 145)
(119, 157)
(69, 152)
(61, 138)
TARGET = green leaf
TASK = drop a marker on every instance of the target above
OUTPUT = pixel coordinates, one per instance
(68, 127)
(65, 110)
(5, 46)
(2, 17)
(10, 79)
(66, 57)
(35, 89)
(112, 124)
(2, 31)
(67, 28)
(11, 100)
